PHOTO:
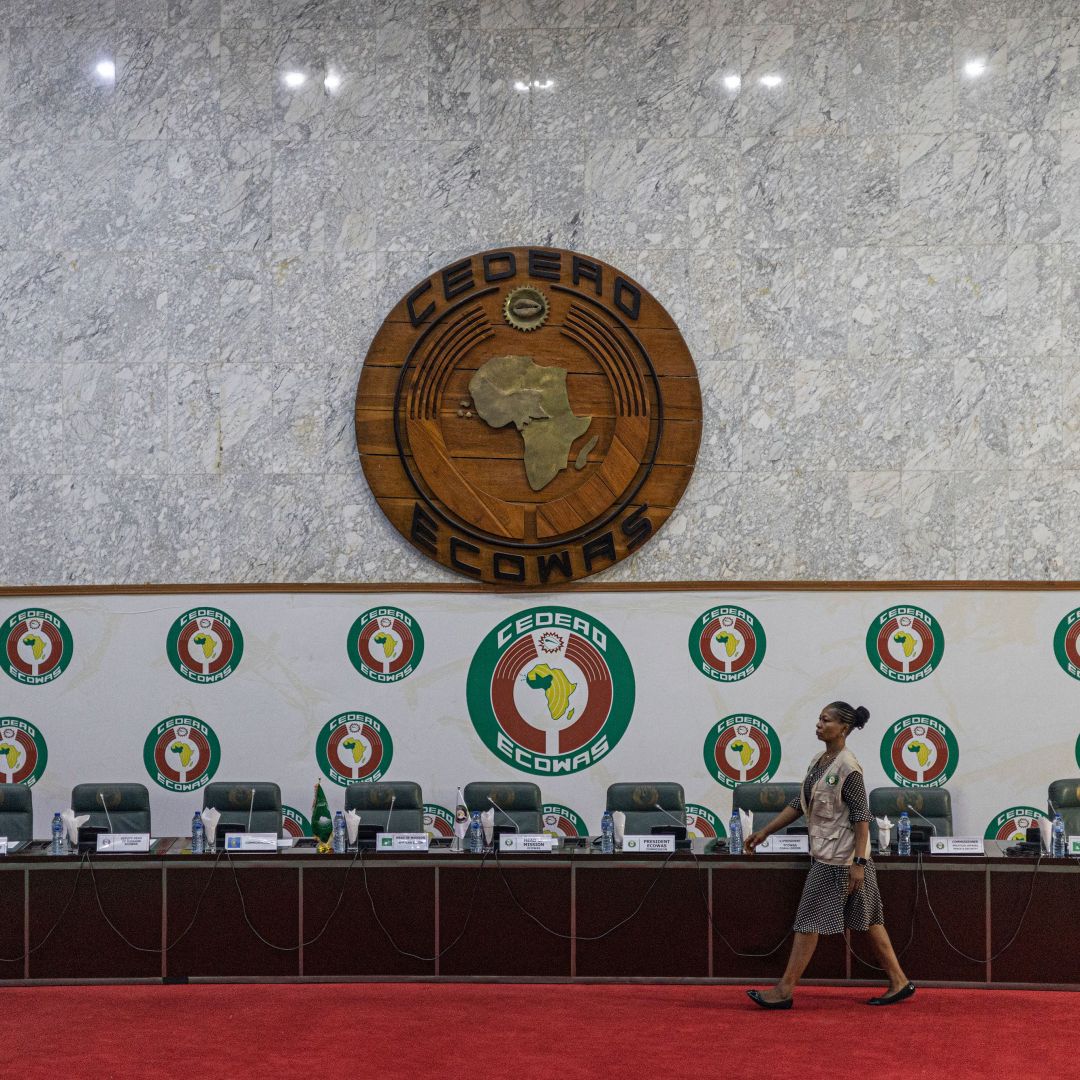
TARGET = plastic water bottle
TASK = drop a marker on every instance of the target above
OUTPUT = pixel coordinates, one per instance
(734, 844)
(607, 833)
(57, 835)
(476, 834)
(341, 837)
(198, 834)
(1057, 838)
(903, 835)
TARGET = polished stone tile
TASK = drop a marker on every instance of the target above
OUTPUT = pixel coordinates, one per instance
(875, 523)
(1034, 518)
(928, 525)
(34, 514)
(982, 536)
(31, 401)
(31, 306)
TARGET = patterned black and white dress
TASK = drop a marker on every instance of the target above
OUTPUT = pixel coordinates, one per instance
(825, 907)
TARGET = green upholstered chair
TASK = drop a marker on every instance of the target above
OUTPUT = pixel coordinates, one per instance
(1064, 797)
(765, 801)
(16, 812)
(372, 801)
(235, 803)
(639, 801)
(935, 804)
(128, 806)
(521, 802)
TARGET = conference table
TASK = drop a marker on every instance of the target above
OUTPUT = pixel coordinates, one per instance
(571, 915)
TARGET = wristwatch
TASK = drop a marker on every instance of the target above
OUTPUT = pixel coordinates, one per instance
(857, 861)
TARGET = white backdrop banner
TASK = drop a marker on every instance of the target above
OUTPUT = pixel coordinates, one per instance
(978, 691)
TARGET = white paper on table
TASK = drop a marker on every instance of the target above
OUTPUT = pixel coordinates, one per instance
(352, 824)
(884, 832)
(487, 820)
(747, 819)
(210, 818)
(618, 819)
(1046, 831)
(72, 824)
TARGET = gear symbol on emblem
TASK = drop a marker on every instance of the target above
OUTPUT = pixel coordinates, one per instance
(526, 308)
(550, 643)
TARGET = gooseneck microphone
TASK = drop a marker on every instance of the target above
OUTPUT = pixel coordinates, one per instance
(923, 816)
(680, 822)
(251, 809)
(389, 813)
(101, 796)
(513, 823)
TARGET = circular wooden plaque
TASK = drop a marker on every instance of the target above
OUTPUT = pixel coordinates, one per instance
(528, 416)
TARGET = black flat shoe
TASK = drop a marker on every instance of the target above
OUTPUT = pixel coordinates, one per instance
(757, 999)
(892, 999)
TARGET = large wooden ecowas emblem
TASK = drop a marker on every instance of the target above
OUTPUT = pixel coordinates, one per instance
(528, 416)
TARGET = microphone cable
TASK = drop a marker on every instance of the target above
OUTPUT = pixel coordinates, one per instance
(60, 918)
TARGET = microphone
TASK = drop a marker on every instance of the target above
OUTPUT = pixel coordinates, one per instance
(393, 799)
(681, 822)
(251, 809)
(923, 816)
(101, 796)
(513, 823)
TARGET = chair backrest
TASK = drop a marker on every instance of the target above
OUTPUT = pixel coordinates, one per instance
(765, 801)
(16, 812)
(1064, 797)
(520, 801)
(639, 801)
(128, 805)
(373, 800)
(934, 804)
(234, 802)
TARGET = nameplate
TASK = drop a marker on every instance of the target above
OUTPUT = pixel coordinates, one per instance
(403, 841)
(251, 841)
(957, 845)
(526, 841)
(638, 844)
(1072, 847)
(125, 842)
(785, 845)
(3, 845)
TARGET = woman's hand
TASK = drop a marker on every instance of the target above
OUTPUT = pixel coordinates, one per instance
(754, 839)
(856, 877)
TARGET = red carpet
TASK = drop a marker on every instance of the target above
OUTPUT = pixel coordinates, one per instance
(486, 1032)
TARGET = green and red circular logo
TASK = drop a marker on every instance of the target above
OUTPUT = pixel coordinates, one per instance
(727, 643)
(181, 753)
(550, 691)
(701, 822)
(438, 821)
(385, 644)
(354, 747)
(742, 749)
(905, 644)
(562, 821)
(205, 645)
(37, 646)
(919, 751)
(23, 753)
(1013, 824)
(1067, 643)
(293, 823)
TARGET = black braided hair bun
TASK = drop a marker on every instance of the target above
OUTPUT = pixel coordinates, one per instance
(862, 714)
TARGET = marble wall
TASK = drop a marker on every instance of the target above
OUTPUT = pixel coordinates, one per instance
(863, 213)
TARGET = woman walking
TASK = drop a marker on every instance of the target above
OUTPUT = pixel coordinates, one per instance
(841, 891)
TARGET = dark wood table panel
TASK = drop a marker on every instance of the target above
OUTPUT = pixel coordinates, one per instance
(12, 884)
(669, 936)
(83, 946)
(501, 939)
(221, 943)
(754, 907)
(353, 944)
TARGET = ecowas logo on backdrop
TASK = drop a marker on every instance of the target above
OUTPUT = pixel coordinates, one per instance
(919, 751)
(528, 416)
(37, 646)
(181, 753)
(550, 690)
(727, 643)
(1066, 644)
(23, 753)
(1012, 824)
(354, 746)
(205, 645)
(562, 821)
(703, 823)
(293, 823)
(905, 643)
(386, 644)
(438, 821)
(741, 749)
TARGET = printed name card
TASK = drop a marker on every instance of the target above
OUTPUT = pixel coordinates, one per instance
(3, 845)
(957, 845)
(638, 844)
(526, 842)
(251, 841)
(1072, 847)
(403, 841)
(123, 842)
(785, 845)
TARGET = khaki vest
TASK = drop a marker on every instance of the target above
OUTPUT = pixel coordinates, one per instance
(832, 836)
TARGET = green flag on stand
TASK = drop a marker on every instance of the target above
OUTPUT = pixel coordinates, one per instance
(322, 821)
